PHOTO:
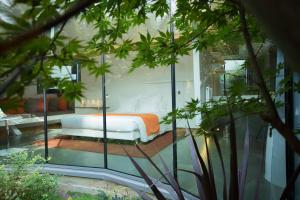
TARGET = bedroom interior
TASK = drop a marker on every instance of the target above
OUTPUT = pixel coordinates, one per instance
(78, 132)
(74, 139)
(135, 103)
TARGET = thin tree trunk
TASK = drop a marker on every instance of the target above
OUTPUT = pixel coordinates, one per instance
(274, 118)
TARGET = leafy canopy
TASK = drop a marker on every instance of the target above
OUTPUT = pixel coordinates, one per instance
(199, 24)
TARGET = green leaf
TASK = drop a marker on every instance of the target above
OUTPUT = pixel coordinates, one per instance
(101, 70)
(123, 50)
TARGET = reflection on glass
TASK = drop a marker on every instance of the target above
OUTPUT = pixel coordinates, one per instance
(235, 72)
(137, 102)
(78, 140)
(220, 70)
(23, 130)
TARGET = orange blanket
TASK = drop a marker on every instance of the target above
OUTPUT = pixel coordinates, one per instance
(151, 120)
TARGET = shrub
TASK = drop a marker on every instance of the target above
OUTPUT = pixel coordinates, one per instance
(21, 178)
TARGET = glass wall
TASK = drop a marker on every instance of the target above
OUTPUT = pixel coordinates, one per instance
(17, 134)
(78, 141)
(139, 99)
(220, 70)
(136, 102)
(23, 127)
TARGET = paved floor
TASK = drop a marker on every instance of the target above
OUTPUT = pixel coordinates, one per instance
(92, 186)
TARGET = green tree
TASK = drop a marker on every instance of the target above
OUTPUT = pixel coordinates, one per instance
(198, 23)
(27, 51)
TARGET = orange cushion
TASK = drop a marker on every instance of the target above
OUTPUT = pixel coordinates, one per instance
(13, 111)
(62, 104)
(40, 105)
(52, 104)
(17, 108)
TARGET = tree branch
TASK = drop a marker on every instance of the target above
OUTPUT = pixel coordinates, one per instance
(37, 30)
(15, 73)
(274, 118)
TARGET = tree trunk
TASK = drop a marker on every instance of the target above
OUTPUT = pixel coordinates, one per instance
(274, 118)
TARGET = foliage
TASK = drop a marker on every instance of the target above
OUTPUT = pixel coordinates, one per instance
(21, 178)
(215, 115)
(202, 170)
(37, 58)
(198, 25)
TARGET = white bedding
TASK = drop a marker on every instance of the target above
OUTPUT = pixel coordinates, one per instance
(114, 124)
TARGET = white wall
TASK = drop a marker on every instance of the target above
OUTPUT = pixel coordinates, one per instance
(31, 92)
(275, 164)
(143, 90)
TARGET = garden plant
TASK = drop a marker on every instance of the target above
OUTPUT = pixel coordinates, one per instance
(28, 52)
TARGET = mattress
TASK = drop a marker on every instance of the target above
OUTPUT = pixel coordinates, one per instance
(114, 124)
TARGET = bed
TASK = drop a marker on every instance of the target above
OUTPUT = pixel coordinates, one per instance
(133, 126)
